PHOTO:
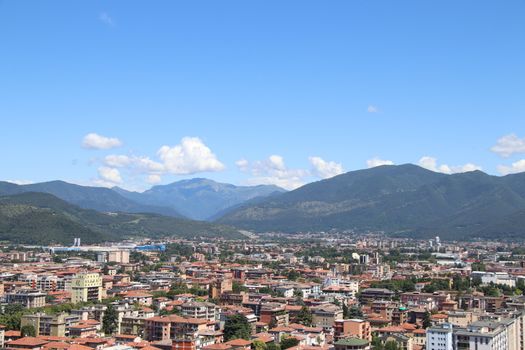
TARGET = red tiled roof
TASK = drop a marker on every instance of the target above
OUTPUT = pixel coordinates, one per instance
(28, 341)
(239, 342)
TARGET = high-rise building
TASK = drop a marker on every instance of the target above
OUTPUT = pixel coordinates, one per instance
(86, 287)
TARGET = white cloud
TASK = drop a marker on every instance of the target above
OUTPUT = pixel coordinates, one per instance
(465, 168)
(105, 18)
(189, 157)
(273, 171)
(117, 160)
(372, 109)
(21, 182)
(516, 167)
(376, 161)
(96, 141)
(508, 145)
(153, 179)
(143, 164)
(242, 164)
(110, 175)
(146, 164)
(430, 163)
(325, 169)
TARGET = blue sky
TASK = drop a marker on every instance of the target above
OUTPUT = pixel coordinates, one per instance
(249, 92)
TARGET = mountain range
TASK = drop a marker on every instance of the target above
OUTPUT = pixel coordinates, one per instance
(87, 197)
(199, 199)
(404, 200)
(41, 218)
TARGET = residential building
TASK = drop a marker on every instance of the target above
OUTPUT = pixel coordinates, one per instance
(29, 298)
(354, 328)
(440, 337)
(325, 316)
(352, 344)
(50, 325)
(201, 310)
(86, 287)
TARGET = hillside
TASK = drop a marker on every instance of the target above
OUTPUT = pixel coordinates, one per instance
(405, 199)
(97, 198)
(199, 199)
(40, 218)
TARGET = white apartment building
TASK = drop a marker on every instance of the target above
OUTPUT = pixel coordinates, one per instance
(480, 335)
(494, 277)
(201, 310)
(440, 337)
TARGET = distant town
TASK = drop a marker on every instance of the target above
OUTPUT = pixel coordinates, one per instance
(275, 291)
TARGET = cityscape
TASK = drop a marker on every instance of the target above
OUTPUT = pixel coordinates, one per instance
(262, 175)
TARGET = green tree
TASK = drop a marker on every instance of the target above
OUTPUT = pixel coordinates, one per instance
(293, 275)
(259, 345)
(352, 312)
(238, 287)
(272, 346)
(304, 316)
(237, 327)
(28, 331)
(109, 321)
(11, 315)
(377, 344)
(392, 345)
(426, 320)
(288, 342)
(479, 266)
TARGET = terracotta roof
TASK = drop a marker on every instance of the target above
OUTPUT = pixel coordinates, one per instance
(12, 334)
(125, 336)
(391, 329)
(149, 347)
(281, 329)
(137, 294)
(217, 347)
(239, 342)
(439, 316)
(28, 341)
(409, 326)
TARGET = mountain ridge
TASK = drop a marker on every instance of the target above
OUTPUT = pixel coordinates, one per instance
(199, 198)
(394, 199)
(87, 197)
(41, 218)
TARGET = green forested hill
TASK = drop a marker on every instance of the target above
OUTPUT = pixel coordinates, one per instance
(87, 197)
(404, 199)
(41, 218)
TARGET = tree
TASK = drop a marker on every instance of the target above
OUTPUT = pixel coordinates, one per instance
(304, 316)
(293, 275)
(259, 345)
(352, 312)
(237, 327)
(109, 321)
(238, 287)
(272, 346)
(11, 315)
(426, 320)
(273, 323)
(28, 331)
(377, 344)
(392, 345)
(288, 342)
(479, 266)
